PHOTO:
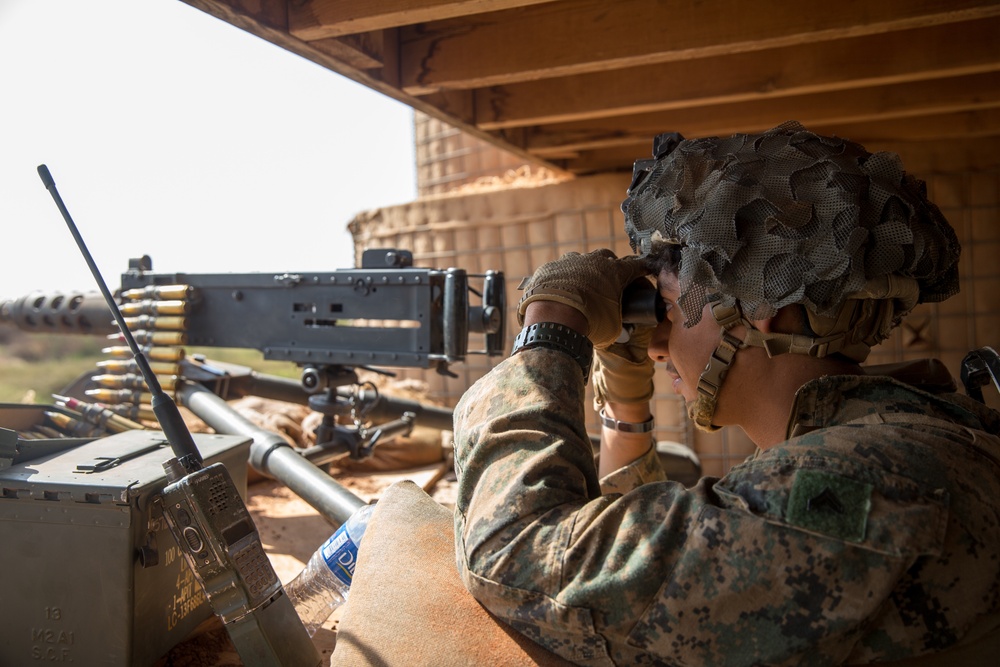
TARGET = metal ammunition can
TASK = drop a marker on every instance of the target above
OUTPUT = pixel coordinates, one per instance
(89, 571)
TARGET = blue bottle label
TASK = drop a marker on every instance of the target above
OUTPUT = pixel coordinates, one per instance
(341, 555)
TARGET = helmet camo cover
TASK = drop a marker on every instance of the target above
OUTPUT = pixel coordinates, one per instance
(786, 217)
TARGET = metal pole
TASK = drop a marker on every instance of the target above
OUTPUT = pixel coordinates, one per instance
(271, 455)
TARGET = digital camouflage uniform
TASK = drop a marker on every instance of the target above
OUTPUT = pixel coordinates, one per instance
(872, 534)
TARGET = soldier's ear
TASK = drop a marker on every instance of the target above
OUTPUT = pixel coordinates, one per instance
(790, 319)
(765, 325)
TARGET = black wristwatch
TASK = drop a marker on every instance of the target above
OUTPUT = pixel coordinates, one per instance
(557, 337)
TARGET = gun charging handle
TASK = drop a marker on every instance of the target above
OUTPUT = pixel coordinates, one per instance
(490, 317)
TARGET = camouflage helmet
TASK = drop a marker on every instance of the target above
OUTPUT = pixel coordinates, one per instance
(785, 217)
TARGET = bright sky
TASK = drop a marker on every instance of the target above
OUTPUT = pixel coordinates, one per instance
(173, 134)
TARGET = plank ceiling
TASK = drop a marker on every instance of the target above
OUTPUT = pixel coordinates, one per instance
(582, 85)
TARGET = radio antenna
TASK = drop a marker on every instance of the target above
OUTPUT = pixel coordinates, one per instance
(164, 408)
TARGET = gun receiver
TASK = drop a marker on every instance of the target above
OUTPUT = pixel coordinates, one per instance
(386, 313)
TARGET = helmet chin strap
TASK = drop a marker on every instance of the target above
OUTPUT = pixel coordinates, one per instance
(702, 409)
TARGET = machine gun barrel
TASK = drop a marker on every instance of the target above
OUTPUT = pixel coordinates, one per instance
(60, 312)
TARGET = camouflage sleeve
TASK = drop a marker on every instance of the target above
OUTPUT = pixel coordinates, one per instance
(643, 470)
(789, 557)
(537, 543)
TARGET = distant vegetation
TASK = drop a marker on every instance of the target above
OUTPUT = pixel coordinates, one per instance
(33, 366)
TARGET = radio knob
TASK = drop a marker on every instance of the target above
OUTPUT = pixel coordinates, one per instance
(193, 539)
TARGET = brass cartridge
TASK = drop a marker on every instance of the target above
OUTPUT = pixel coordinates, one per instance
(118, 396)
(152, 353)
(160, 323)
(159, 292)
(150, 307)
(129, 366)
(147, 337)
(70, 426)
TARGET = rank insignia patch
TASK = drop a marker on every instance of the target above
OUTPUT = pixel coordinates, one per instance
(830, 504)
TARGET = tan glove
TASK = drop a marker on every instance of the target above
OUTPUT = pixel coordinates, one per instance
(591, 283)
(623, 372)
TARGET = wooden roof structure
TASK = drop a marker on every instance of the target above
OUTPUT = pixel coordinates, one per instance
(582, 86)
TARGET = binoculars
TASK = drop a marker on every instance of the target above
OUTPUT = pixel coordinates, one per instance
(642, 305)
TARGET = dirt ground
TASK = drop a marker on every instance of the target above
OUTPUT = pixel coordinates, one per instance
(290, 530)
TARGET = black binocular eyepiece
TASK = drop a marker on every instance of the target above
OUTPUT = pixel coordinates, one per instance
(642, 305)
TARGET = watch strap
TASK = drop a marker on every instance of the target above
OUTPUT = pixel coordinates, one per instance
(560, 337)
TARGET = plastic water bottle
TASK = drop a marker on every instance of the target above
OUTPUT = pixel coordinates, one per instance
(323, 584)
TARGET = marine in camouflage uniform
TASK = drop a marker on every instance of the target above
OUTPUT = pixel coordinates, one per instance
(869, 532)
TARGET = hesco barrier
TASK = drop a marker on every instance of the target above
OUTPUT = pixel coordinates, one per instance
(448, 158)
(515, 230)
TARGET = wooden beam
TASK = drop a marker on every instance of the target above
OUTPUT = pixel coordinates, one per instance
(905, 100)
(364, 51)
(689, 85)
(319, 19)
(924, 158)
(910, 55)
(957, 127)
(249, 15)
(568, 38)
(618, 158)
(961, 125)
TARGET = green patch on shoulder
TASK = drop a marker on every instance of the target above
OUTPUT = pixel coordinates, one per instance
(830, 504)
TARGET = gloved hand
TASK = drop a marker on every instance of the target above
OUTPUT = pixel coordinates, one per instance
(623, 372)
(592, 283)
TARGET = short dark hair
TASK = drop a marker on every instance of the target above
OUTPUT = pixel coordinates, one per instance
(663, 256)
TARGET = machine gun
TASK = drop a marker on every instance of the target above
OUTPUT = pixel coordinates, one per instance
(329, 320)
(387, 313)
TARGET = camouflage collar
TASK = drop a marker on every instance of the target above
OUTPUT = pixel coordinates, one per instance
(841, 399)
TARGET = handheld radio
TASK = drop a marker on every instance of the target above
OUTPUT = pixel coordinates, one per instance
(213, 528)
